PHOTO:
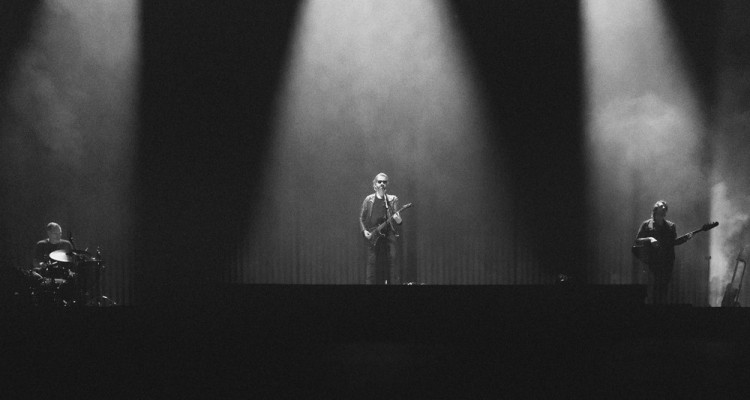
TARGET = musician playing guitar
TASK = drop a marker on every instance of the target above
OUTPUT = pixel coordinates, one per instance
(377, 209)
(658, 236)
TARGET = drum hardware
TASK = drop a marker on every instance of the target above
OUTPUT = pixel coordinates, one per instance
(101, 301)
(71, 256)
(69, 278)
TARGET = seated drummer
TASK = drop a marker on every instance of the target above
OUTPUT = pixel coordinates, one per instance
(53, 242)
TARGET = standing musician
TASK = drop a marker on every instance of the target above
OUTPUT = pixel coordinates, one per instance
(378, 208)
(659, 237)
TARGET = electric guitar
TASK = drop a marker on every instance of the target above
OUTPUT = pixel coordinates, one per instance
(646, 253)
(377, 232)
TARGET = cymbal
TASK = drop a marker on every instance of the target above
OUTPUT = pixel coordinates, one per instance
(61, 255)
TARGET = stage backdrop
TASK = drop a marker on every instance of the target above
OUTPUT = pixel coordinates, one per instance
(260, 140)
(240, 146)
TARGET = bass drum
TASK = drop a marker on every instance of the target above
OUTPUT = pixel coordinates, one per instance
(55, 292)
(56, 287)
(56, 271)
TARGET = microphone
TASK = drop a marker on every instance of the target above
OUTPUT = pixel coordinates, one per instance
(70, 239)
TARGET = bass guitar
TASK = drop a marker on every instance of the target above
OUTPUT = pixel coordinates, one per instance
(646, 253)
(377, 232)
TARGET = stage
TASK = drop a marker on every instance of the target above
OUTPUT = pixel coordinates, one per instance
(387, 341)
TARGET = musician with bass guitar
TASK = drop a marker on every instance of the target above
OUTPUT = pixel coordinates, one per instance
(657, 237)
(377, 220)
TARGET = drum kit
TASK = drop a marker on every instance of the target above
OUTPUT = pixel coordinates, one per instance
(68, 278)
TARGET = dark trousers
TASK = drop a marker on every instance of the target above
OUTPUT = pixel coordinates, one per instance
(661, 274)
(381, 262)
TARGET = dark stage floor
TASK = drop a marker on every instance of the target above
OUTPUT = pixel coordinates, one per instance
(380, 342)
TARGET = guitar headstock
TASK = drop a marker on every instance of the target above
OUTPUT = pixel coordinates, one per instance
(406, 206)
(710, 226)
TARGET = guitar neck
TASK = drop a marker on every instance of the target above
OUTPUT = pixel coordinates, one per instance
(691, 233)
(388, 220)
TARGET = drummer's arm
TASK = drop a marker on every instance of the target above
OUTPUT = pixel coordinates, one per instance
(37, 264)
(40, 257)
(35, 269)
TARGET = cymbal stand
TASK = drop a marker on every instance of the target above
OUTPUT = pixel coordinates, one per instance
(76, 267)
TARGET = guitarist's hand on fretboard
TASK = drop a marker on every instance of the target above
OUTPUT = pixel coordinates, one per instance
(641, 250)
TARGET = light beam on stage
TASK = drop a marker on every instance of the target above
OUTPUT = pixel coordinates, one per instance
(645, 130)
(731, 153)
(376, 86)
(67, 118)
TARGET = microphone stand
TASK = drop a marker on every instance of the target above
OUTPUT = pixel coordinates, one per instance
(389, 211)
(387, 217)
(78, 290)
(708, 282)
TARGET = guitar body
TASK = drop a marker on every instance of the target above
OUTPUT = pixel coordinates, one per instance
(643, 253)
(377, 232)
(649, 255)
(375, 235)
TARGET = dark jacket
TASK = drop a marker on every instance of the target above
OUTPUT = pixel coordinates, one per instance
(366, 212)
(667, 237)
